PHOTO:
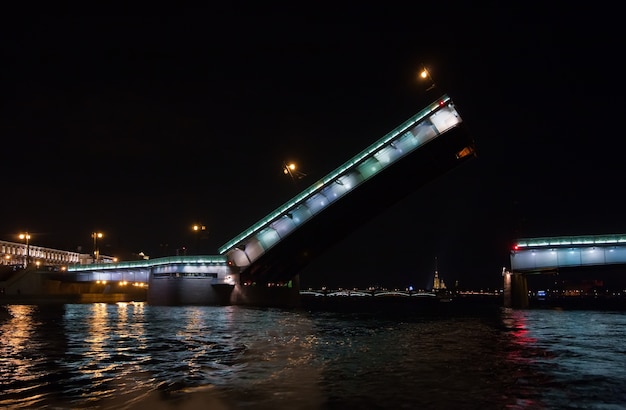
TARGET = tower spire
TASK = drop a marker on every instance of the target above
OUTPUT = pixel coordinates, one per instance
(436, 283)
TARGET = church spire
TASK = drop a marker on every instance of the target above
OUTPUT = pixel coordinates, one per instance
(438, 284)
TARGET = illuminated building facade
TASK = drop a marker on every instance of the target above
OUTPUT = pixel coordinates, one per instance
(22, 254)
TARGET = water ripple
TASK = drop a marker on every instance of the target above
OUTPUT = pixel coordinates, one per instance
(134, 356)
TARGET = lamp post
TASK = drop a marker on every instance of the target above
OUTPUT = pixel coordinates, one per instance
(96, 251)
(197, 228)
(425, 75)
(291, 170)
(26, 237)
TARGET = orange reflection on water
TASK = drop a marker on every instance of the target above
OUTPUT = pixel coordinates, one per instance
(15, 335)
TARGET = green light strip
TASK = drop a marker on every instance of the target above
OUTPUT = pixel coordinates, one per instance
(331, 177)
(212, 259)
(571, 241)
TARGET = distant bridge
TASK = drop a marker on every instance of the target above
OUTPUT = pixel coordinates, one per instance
(368, 293)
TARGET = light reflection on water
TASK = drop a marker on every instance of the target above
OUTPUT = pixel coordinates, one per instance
(132, 356)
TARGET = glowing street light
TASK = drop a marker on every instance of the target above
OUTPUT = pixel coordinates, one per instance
(197, 228)
(26, 237)
(291, 170)
(96, 251)
(425, 75)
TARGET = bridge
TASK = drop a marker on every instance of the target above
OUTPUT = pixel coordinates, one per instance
(533, 256)
(422, 148)
(552, 253)
(271, 253)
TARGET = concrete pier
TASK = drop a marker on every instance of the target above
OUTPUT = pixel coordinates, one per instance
(515, 290)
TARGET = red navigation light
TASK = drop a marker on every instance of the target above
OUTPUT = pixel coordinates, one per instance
(515, 247)
(442, 103)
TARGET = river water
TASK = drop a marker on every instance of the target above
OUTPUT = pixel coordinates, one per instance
(136, 356)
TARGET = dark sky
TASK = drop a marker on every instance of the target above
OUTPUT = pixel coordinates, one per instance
(140, 125)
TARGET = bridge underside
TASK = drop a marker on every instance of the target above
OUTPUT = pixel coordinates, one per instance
(287, 258)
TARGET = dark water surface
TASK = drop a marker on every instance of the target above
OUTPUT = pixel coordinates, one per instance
(135, 356)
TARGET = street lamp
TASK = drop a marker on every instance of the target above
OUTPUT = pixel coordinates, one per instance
(425, 75)
(96, 251)
(26, 237)
(291, 170)
(197, 228)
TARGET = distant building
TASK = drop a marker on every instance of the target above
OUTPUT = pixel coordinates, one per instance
(438, 284)
(15, 253)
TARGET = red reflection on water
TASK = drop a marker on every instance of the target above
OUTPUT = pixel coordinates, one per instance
(521, 352)
(522, 344)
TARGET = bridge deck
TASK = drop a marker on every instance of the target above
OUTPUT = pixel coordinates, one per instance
(550, 253)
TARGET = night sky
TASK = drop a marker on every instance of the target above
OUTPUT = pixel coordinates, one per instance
(141, 125)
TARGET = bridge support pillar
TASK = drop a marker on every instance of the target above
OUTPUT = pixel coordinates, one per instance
(515, 290)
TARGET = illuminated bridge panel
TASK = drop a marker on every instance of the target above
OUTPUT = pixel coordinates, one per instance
(143, 270)
(537, 254)
(428, 124)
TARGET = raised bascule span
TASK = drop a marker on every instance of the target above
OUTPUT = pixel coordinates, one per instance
(425, 146)
(270, 254)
